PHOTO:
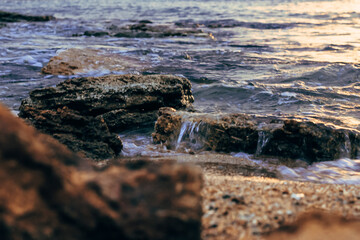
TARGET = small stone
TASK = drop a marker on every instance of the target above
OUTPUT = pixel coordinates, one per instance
(297, 196)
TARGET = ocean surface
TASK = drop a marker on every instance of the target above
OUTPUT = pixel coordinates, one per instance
(266, 57)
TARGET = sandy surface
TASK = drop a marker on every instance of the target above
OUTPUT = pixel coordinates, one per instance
(239, 207)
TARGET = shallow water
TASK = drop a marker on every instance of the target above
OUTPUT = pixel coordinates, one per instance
(265, 57)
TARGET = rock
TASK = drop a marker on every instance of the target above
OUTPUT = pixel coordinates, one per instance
(83, 113)
(48, 192)
(78, 61)
(231, 23)
(88, 135)
(318, 225)
(267, 136)
(146, 29)
(15, 17)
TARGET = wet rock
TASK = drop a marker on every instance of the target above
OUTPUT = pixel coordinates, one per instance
(48, 192)
(318, 225)
(84, 113)
(267, 136)
(15, 17)
(146, 29)
(79, 61)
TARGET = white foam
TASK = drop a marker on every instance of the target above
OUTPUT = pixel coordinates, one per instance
(27, 59)
(342, 171)
(288, 94)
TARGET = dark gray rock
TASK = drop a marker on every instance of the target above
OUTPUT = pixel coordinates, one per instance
(146, 29)
(84, 113)
(15, 17)
(263, 136)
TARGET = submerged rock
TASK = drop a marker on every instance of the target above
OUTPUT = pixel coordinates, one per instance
(267, 136)
(146, 29)
(78, 61)
(231, 23)
(84, 112)
(16, 17)
(48, 192)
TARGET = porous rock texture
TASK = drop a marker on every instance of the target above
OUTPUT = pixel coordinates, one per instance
(83, 113)
(16, 17)
(263, 136)
(48, 192)
(147, 29)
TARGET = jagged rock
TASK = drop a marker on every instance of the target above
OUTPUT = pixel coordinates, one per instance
(78, 61)
(15, 17)
(146, 29)
(318, 225)
(83, 112)
(268, 136)
(48, 192)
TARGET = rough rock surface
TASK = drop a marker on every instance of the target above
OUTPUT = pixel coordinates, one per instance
(237, 207)
(48, 192)
(15, 17)
(268, 136)
(146, 29)
(78, 61)
(84, 112)
(318, 225)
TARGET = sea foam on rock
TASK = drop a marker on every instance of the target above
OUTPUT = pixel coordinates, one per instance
(267, 136)
(48, 192)
(85, 113)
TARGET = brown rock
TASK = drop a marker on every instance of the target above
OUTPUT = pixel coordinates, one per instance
(268, 136)
(78, 61)
(47, 192)
(83, 112)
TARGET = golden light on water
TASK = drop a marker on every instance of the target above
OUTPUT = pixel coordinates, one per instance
(328, 31)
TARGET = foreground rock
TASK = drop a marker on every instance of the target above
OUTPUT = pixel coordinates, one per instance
(83, 113)
(146, 29)
(318, 225)
(268, 136)
(15, 17)
(47, 192)
(79, 61)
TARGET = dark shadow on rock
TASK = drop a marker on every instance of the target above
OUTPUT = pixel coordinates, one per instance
(16, 17)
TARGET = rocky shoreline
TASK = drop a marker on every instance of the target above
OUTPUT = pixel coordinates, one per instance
(66, 180)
